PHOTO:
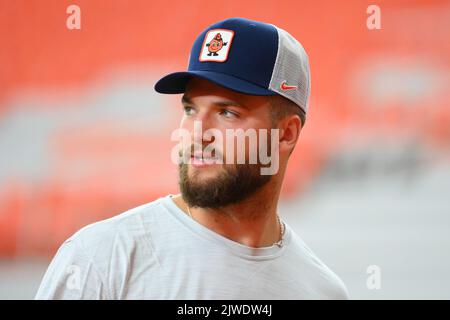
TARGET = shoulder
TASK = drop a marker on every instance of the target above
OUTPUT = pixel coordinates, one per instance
(326, 283)
(93, 262)
(123, 229)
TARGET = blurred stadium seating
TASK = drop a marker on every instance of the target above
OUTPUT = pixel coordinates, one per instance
(84, 137)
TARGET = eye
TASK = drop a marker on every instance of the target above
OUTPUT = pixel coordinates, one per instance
(229, 114)
(188, 110)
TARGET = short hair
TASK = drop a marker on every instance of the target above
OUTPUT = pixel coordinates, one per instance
(281, 107)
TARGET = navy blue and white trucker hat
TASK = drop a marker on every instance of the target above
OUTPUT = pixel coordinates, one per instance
(249, 57)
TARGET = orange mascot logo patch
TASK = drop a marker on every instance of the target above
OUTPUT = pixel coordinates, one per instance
(215, 45)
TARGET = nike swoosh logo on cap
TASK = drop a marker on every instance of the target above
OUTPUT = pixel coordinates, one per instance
(285, 87)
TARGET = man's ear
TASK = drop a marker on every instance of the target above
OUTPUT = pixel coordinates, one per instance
(290, 128)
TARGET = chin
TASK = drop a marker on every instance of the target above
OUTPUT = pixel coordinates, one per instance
(211, 171)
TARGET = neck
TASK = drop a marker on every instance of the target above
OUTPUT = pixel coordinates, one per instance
(252, 222)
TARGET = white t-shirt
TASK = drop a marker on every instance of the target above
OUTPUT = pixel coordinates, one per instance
(156, 251)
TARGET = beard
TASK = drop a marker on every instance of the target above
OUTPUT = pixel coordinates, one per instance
(231, 185)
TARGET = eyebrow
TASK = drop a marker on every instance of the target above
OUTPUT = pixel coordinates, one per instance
(185, 100)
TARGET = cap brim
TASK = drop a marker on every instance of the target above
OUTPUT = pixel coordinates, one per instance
(176, 83)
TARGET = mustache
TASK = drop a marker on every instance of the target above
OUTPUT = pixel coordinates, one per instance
(195, 150)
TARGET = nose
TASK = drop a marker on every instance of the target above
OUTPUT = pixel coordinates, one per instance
(199, 123)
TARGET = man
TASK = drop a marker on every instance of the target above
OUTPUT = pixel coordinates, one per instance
(222, 238)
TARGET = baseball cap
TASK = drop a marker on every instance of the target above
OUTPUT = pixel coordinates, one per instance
(249, 57)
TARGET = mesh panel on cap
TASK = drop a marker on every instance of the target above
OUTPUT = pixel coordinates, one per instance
(292, 66)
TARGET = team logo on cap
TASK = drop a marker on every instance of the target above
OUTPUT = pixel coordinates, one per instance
(216, 45)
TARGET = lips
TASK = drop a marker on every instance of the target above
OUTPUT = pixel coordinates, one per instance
(198, 159)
